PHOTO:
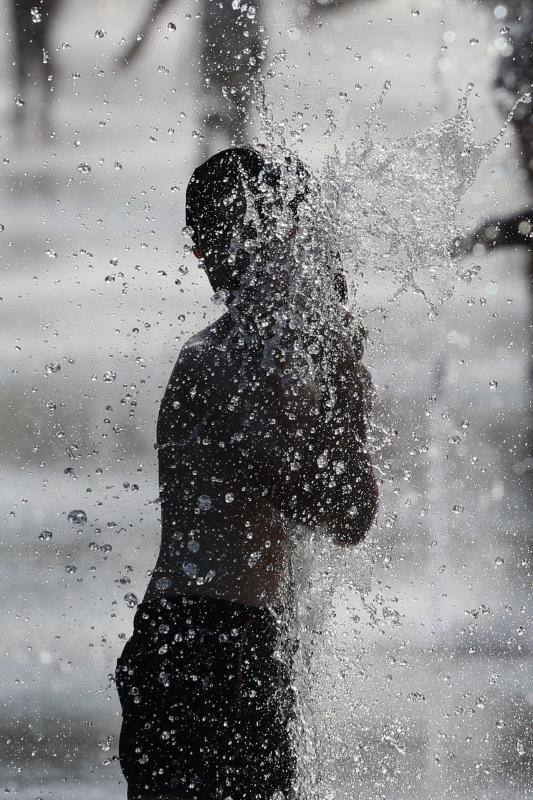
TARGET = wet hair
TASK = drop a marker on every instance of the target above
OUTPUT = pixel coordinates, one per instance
(233, 200)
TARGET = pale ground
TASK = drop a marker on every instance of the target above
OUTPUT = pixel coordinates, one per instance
(424, 699)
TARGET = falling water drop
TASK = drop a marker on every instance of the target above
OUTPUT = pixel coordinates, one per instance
(52, 368)
(77, 517)
(131, 599)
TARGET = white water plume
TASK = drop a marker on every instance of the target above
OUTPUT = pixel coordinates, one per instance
(388, 208)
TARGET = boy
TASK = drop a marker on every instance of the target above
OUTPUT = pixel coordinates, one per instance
(250, 443)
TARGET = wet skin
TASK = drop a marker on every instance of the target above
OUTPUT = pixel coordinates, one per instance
(239, 449)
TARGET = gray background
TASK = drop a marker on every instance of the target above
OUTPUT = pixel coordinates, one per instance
(429, 691)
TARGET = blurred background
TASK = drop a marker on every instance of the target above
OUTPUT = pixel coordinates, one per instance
(427, 689)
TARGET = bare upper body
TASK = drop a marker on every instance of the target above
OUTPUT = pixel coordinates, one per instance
(244, 454)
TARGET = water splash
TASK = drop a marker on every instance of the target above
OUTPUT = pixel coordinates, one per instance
(392, 205)
(387, 206)
(385, 209)
(318, 574)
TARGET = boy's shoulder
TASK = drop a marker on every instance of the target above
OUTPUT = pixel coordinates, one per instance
(202, 363)
(189, 393)
(199, 350)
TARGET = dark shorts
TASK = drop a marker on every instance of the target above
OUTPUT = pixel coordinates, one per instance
(206, 702)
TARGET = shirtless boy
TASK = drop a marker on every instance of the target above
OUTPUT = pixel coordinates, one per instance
(205, 693)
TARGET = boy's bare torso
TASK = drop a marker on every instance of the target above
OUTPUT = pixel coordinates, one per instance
(250, 441)
(222, 534)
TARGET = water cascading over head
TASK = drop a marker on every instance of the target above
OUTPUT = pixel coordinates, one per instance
(250, 213)
(240, 203)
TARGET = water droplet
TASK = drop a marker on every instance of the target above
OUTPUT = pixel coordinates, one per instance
(77, 517)
(71, 569)
(499, 561)
(52, 368)
(109, 376)
(205, 503)
(19, 101)
(45, 536)
(99, 33)
(219, 298)
(322, 460)
(171, 26)
(84, 168)
(474, 41)
(458, 509)
(109, 279)
(190, 569)
(131, 599)
(163, 584)
(229, 498)
(493, 385)
(35, 14)
(254, 558)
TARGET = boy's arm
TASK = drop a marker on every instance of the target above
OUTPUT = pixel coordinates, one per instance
(335, 484)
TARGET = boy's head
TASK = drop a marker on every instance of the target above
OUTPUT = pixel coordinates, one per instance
(240, 199)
